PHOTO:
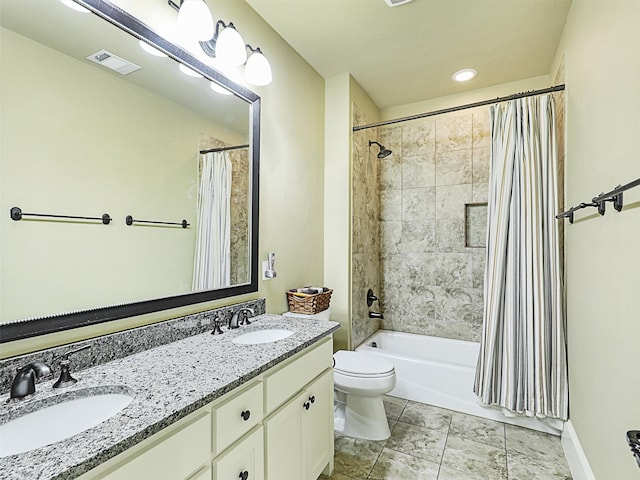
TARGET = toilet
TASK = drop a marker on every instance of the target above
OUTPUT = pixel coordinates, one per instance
(360, 382)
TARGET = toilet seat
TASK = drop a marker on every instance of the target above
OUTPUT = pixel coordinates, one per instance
(361, 365)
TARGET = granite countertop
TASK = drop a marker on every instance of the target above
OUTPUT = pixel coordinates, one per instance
(168, 382)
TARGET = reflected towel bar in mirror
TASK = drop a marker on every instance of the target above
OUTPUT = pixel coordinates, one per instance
(130, 221)
(18, 214)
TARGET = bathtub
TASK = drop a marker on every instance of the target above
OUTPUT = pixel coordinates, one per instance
(441, 372)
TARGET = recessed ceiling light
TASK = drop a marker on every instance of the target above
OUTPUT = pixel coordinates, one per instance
(464, 74)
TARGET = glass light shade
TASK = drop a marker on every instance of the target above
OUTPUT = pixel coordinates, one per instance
(257, 71)
(218, 89)
(230, 48)
(188, 71)
(152, 50)
(464, 75)
(75, 6)
(195, 20)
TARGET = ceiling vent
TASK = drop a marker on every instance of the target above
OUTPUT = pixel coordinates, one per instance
(113, 62)
(397, 3)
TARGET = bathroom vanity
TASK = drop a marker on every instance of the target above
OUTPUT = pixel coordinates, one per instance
(204, 408)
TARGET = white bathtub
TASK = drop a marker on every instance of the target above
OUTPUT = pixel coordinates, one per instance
(441, 372)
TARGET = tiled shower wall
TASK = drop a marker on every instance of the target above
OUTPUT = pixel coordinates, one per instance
(365, 228)
(432, 283)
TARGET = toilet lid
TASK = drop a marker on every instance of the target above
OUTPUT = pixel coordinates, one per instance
(359, 363)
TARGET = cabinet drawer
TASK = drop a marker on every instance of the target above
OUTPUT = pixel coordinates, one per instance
(236, 416)
(245, 460)
(290, 379)
(176, 456)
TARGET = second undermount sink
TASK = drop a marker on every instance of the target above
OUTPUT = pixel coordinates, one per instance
(262, 336)
(70, 415)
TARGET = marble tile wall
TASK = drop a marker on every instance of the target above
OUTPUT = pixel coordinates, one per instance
(238, 208)
(431, 283)
(365, 237)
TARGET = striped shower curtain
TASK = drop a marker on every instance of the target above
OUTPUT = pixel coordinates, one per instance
(522, 366)
(212, 259)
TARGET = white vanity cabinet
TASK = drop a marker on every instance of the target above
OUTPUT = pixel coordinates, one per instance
(299, 426)
(277, 426)
(299, 435)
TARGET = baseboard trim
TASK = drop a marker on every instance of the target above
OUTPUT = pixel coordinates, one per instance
(576, 458)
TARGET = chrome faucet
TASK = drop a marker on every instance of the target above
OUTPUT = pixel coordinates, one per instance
(241, 317)
(24, 383)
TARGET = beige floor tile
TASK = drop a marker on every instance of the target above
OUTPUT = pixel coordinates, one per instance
(421, 442)
(526, 467)
(447, 473)
(426, 416)
(354, 457)
(532, 442)
(477, 429)
(475, 458)
(394, 406)
(392, 465)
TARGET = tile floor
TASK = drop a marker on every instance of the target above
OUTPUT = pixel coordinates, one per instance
(431, 443)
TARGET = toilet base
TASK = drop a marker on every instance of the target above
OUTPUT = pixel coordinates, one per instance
(360, 417)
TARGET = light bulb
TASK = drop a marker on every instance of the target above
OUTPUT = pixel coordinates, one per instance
(75, 6)
(230, 48)
(218, 89)
(188, 71)
(257, 71)
(194, 20)
(152, 50)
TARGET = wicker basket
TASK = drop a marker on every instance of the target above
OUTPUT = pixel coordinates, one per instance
(310, 304)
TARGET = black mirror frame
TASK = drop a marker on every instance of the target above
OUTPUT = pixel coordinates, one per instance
(44, 325)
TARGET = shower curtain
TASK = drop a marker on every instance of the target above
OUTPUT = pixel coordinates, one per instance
(213, 237)
(522, 366)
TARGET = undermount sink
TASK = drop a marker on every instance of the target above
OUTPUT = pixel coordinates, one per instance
(72, 414)
(262, 336)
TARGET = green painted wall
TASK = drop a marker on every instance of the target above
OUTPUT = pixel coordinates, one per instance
(600, 47)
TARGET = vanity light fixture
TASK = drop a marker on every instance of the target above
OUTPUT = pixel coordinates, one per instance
(226, 45)
(75, 6)
(152, 50)
(229, 45)
(464, 75)
(188, 71)
(219, 89)
(257, 71)
(194, 19)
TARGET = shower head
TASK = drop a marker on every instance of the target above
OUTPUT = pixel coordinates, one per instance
(384, 152)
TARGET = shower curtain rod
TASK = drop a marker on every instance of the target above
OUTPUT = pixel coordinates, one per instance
(530, 93)
(223, 149)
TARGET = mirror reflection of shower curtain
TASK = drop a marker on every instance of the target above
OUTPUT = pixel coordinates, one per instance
(522, 365)
(213, 237)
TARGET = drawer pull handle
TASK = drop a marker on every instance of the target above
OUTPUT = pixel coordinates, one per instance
(312, 398)
(243, 475)
(245, 415)
(306, 405)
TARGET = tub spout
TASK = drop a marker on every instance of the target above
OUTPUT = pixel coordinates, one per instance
(376, 315)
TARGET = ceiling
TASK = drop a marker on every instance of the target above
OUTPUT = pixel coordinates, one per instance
(408, 53)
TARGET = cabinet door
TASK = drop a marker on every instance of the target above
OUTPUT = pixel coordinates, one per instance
(317, 426)
(283, 442)
(243, 461)
(174, 457)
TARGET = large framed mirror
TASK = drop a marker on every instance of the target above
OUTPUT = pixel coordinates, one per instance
(109, 208)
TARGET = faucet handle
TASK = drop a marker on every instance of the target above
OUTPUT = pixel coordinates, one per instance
(65, 379)
(216, 326)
